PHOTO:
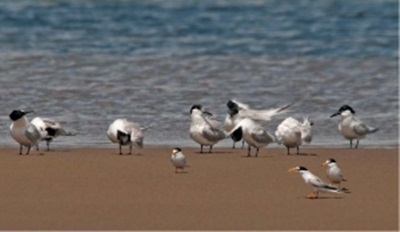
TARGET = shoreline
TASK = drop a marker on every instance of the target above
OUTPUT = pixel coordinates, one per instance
(97, 189)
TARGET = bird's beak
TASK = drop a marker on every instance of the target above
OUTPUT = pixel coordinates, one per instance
(324, 164)
(293, 169)
(207, 113)
(28, 111)
(333, 115)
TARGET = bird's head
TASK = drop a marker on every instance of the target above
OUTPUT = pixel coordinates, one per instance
(17, 114)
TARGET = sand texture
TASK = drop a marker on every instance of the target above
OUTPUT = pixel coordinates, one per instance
(89, 188)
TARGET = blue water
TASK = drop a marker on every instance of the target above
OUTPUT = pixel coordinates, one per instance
(86, 63)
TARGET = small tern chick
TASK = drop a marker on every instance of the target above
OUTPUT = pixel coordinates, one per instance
(24, 132)
(293, 133)
(253, 134)
(52, 129)
(315, 182)
(333, 172)
(126, 133)
(351, 127)
(204, 130)
(178, 159)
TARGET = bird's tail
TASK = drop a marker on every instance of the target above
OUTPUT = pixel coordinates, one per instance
(148, 126)
(373, 130)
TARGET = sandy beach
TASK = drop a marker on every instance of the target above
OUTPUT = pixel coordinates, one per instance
(97, 189)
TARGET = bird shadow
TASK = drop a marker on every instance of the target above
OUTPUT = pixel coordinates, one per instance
(303, 154)
(262, 156)
(181, 172)
(321, 198)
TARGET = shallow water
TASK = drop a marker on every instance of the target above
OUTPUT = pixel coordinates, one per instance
(86, 63)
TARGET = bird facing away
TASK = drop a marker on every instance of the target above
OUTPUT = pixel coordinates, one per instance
(293, 133)
(178, 159)
(24, 132)
(253, 134)
(204, 130)
(350, 127)
(316, 183)
(333, 172)
(126, 133)
(232, 118)
(52, 129)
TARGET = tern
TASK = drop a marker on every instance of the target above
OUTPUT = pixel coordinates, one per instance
(232, 118)
(351, 127)
(334, 173)
(253, 134)
(178, 159)
(126, 133)
(293, 133)
(52, 129)
(317, 184)
(204, 130)
(24, 132)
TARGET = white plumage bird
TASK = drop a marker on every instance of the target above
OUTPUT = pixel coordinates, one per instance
(24, 132)
(292, 133)
(126, 133)
(350, 127)
(316, 183)
(333, 172)
(178, 159)
(204, 130)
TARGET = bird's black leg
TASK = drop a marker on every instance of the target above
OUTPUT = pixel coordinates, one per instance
(29, 149)
(357, 143)
(233, 146)
(242, 144)
(351, 143)
(248, 151)
(201, 148)
(257, 151)
(297, 149)
(288, 150)
(120, 149)
(130, 149)
(209, 151)
(20, 149)
(48, 145)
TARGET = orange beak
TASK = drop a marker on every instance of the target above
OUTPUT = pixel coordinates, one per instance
(324, 164)
(293, 169)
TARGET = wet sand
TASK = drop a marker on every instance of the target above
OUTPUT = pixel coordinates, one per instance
(97, 189)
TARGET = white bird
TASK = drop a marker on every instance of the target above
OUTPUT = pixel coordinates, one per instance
(126, 133)
(333, 171)
(232, 118)
(24, 132)
(351, 127)
(293, 133)
(317, 184)
(204, 130)
(253, 134)
(52, 129)
(178, 159)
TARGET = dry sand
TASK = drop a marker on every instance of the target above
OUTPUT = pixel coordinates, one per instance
(85, 188)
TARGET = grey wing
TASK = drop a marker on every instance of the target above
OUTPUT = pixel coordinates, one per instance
(33, 134)
(53, 124)
(262, 136)
(213, 134)
(360, 128)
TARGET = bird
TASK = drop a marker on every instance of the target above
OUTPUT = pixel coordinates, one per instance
(126, 133)
(23, 131)
(232, 118)
(52, 129)
(334, 173)
(178, 159)
(205, 130)
(351, 127)
(317, 184)
(292, 133)
(253, 134)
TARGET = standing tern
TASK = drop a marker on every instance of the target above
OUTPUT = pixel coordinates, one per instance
(24, 132)
(178, 159)
(334, 173)
(52, 129)
(351, 127)
(317, 184)
(293, 133)
(126, 133)
(204, 130)
(253, 134)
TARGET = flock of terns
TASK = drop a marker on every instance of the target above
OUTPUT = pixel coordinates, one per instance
(242, 123)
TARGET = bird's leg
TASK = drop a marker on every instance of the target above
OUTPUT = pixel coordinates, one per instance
(48, 145)
(29, 149)
(288, 150)
(209, 151)
(201, 148)
(37, 147)
(248, 151)
(351, 143)
(233, 146)
(313, 195)
(120, 149)
(257, 151)
(130, 149)
(357, 143)
(298, 150)
(20, 149)
(242, 144)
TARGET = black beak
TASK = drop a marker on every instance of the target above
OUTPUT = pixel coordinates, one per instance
(207, 113)
(335, 114)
